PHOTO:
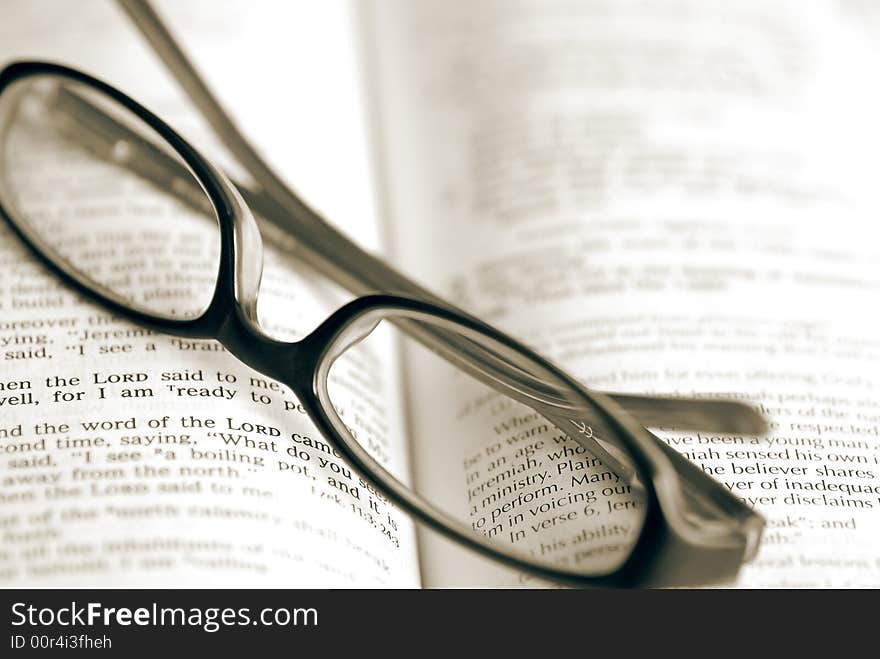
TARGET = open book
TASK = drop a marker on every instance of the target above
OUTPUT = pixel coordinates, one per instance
(673, 199)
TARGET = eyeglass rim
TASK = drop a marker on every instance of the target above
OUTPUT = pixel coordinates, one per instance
(227, 302)
(224, 200)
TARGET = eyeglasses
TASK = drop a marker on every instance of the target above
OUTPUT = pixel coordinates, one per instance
(186, 257)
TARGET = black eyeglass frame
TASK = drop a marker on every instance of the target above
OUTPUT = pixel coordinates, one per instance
(666, 552)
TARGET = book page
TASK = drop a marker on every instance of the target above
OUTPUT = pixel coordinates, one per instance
(129, 457)
(676, 198)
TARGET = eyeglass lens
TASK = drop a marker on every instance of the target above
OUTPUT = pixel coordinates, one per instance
(66, 182)
(496, 465)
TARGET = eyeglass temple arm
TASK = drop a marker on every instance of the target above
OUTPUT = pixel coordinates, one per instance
(100, 133)
(92, 128)
(319, 244)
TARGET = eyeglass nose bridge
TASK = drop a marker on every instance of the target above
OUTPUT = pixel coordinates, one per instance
(241, 251)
